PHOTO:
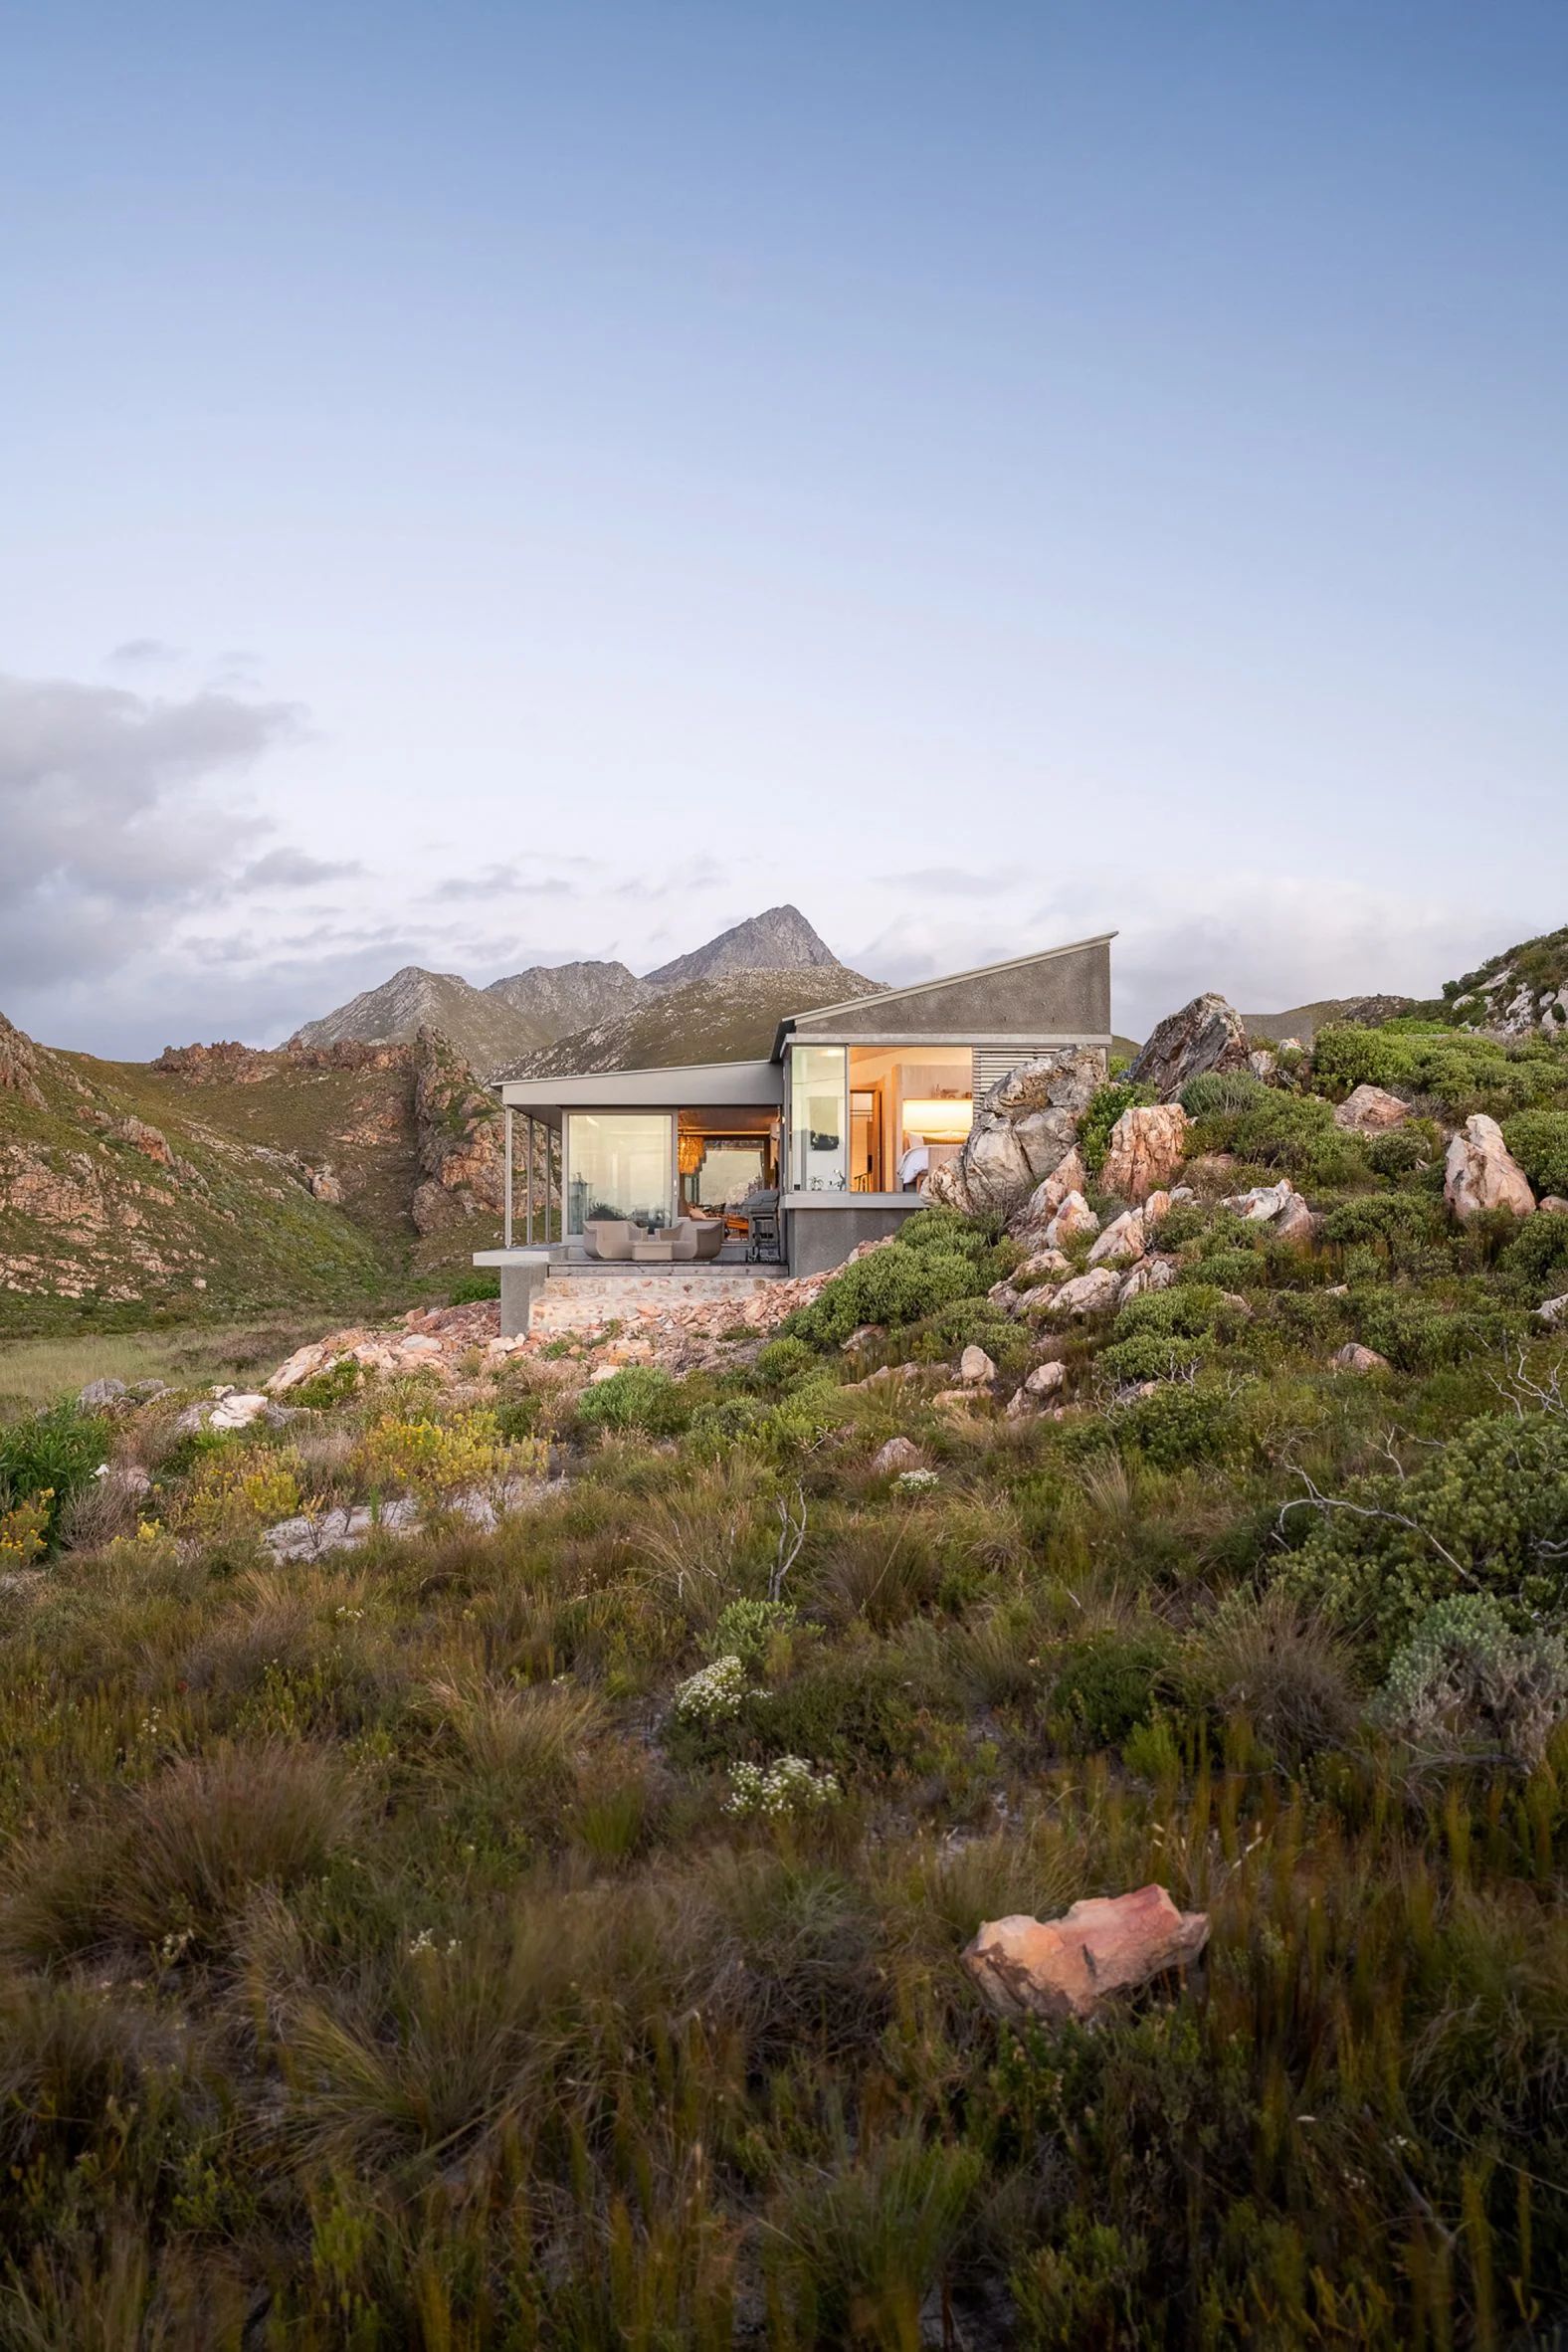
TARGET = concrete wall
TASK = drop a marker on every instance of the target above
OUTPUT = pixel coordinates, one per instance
(1062, 996)
(820, 1239)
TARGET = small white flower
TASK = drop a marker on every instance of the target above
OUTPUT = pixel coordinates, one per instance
(915, 1482)
(788, 1786)
(714, 1694)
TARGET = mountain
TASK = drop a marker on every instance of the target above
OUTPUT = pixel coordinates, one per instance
(482, 1026)
(494, 1026)
(558, 998)
(779, 940)
(733, 1018)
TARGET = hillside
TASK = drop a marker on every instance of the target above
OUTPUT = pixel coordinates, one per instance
(1303, 1022)
(484, 1026)
(989, 1800)
(1517, 992)
(733, 1018)
(223, 1178)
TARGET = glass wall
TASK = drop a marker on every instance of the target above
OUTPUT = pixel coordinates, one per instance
(819, 1158)
(619, 1163)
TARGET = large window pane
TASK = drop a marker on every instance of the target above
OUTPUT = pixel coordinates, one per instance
(819, 1156)
(618, 1165)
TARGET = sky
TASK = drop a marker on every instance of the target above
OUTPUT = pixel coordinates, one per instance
(488, 484)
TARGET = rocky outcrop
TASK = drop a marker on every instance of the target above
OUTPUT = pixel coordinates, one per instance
(19, 1066)
(1023, 1130)
(1068, 1176)
(1147, 1146)
(1065, 1968)
(461, 1149)
(1091, 1293)
(1370, 1111)
(151, 1143)
(1127, 1236)
(1074, 1221)
(1481, 1173)
(1205, 1035)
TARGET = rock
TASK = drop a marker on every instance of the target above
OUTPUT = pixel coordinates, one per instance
(1068, 1176)
(1064, 1968)
(1122, 1241)
(306, 1538)
(1261, 1064)
(900, 1453)
(1553, 1205)
(236, 1411)
(1554, 1313)
(151, 1143)
(1205, 1035)
(1264, 1203)
(21, 1065)
(864, 1337)
(1481, 1173)
(1370, 1111)
(324, 1186)
(98, 1393)
(1150, 1273)
(1354, 1358)
(1023, 1130)
(955, 1399)
(1147, 1146)
(1046, 1380)
(1042, 1266)
(1072, 1220)
(1296, 1222)
(1088, 1294)
(975, 1366)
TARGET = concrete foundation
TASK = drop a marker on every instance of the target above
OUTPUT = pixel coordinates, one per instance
(524, 1273)
(821, 1237)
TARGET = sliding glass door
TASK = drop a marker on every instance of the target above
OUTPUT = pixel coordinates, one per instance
(619, 1163)
(819, 1143)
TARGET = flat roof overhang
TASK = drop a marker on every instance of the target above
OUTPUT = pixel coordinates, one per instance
(709, 1085)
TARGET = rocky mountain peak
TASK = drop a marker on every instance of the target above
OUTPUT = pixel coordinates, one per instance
(778, 940)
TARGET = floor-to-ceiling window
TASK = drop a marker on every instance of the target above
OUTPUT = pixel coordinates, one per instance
(819, 1157)
(619, 1163)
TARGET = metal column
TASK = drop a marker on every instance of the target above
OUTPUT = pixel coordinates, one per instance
(531, 1183)
(507, 1211)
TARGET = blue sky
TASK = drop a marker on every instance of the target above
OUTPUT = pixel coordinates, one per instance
(489, 483)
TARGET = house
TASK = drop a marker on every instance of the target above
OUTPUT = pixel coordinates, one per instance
(843, 1121)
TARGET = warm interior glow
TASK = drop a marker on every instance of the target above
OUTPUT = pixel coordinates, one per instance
(941, 1121)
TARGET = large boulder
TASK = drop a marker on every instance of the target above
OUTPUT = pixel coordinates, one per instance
(1069, 1175)
(1074, 1221)
(1147, 1146)
(1023, 1130)
(1370, 1110)
(1481, 1173)
(1205, 1035)
(1091, 1293)
(1064, 1968)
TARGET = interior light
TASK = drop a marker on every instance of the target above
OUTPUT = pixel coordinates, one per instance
(945, 1119)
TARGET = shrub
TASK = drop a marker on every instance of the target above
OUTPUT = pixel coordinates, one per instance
(1417, 1334)
(749, 1630)
(1535, 1263)
(235, 1488)
(24, 1530)
(1399, 1151)
(1463, 1072)
(1219, 1090)
(328, 1388)
(1108, 1684)
(784, 1361)
(1279, 1665)
(1538, 1140)
(51, 1454)
(1467, 1676)
(469, 1289)
(1105, 1107)
(929, 1266)
(787, 1786)
(1188, 1310)
(640, 1396)
(1154, 1355)
(1486, 1512)
(1183, 1423)
(714, 1694)
(1399, 1222)
(1295, 1133)
(440, 1457)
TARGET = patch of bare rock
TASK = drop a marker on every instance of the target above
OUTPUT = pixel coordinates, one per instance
(1061, 1969)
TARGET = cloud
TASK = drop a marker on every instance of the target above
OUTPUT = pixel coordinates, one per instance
(294, 870)
(498, 882)
(952, 881)
(694, 874)
(110, 823)
(140, 652)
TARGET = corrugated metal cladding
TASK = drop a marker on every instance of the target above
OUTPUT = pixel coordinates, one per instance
(992, 1063)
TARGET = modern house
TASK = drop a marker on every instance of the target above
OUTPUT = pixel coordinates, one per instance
(836, 1129)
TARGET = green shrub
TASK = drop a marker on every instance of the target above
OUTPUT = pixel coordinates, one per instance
(1230, 1270)
(55, 1452)
(1538, 1140)
(1188, 1310)
(1418, 1335)
(1183, 1423)
(1219, 1090)
(469, 1289)
(328, 1388)
(1487, 1511)
(1455, 1068)
(1105, 1107)
(937, 1258)
(1399, 1151)
(1295, 1133)
(1108, 1684)
(1154, 1355)
(784, 1361)
(640, 1396)
(1534, 1264)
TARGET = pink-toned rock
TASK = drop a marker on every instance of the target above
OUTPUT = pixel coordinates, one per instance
(1353, 1357)
(1047, 1379)
(1205, 1035)
(1370, 1111)
(1090, 1293)
(1147, 1146)
(1150, 1273)
(1481, 1173)
(1122, 1242)
(975, 1367)
(1064, 1968)
(1069, 1175)
(1073, 1220)
(1553, 1205)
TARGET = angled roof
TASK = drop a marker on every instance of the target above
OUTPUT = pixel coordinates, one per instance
(876, 1007)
